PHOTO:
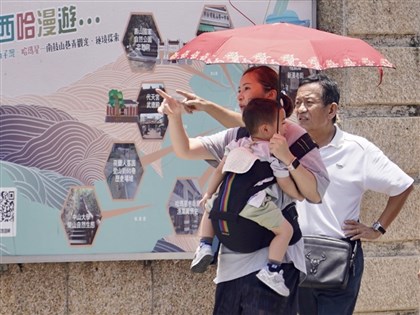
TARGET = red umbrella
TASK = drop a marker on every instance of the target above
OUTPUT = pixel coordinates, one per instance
(282, 44)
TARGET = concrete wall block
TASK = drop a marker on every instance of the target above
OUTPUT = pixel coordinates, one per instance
(399, 86)
(178, 291)
(330, 16)
(379, 17)
(404, 227)
(98, 288)
(381, 248)
(360, 85)
(33, 289)
(389, 284)
(398, 138)
(415, 312)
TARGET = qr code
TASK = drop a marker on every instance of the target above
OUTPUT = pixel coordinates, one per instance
(7, 211)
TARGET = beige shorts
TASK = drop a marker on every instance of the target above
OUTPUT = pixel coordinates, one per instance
(268, 215)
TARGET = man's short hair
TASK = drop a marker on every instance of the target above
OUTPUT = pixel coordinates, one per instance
(330, 90)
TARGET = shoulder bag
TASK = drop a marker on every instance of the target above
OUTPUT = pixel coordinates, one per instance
(328, 262)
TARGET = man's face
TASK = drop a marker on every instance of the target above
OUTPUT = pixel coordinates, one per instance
(250, 88)
(311, 112)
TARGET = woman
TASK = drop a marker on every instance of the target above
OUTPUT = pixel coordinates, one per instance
(238, 290)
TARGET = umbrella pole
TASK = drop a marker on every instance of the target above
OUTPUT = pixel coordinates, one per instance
(278, 99)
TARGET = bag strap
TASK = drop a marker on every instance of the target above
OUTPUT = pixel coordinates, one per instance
(353, 254)
(354, 244)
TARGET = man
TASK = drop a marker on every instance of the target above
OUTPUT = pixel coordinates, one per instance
(355, 165)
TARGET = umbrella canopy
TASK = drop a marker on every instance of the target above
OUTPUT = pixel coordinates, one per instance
(282, 44)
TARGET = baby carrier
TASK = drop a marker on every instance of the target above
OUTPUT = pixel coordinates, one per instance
(241, 234)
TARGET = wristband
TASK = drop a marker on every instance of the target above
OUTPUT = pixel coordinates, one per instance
(294, 165)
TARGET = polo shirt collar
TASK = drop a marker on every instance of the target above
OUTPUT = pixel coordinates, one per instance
(338, 138)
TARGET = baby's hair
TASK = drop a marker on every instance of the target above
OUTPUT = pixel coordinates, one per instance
(260, 111)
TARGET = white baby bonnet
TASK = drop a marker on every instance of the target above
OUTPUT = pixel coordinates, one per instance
(239, 160)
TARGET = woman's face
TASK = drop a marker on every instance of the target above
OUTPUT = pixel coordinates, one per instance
(250, 88)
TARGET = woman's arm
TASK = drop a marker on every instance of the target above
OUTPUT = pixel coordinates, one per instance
(228, 118)
(184, 147)
(304, 179)
(288, 186)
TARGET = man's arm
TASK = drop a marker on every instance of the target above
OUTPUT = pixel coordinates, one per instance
(228, 118)
(393, 207)
(184, 147)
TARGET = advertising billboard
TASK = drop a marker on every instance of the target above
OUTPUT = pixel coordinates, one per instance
(87, 170)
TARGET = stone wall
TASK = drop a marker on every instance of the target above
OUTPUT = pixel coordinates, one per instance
(387, 114)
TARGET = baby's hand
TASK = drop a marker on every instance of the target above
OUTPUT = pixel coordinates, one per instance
(280, 148)
(203, 200)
